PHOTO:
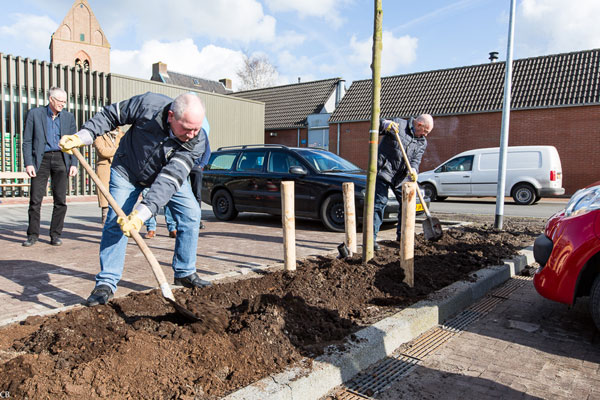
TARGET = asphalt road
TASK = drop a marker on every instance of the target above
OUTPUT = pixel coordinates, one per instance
(545, 208)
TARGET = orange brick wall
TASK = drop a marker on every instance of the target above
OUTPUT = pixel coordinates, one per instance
(574, 131)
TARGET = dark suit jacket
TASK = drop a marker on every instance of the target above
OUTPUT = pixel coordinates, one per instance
(34, 138)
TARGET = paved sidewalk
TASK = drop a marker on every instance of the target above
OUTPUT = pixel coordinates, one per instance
(526, 347)
(42, 278)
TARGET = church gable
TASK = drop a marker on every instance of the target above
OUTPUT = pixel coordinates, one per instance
(80, 41)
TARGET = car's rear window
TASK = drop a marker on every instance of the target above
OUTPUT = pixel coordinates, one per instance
(222, 161)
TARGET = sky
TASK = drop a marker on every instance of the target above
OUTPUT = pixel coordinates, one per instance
(307, 39)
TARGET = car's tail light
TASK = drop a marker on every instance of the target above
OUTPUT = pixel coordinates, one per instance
(552, 176)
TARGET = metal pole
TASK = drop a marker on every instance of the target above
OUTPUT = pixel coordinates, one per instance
(505, 121)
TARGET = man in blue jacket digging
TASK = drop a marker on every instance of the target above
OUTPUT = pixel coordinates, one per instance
(158, 152)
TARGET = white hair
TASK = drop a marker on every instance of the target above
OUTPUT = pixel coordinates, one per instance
(182, 102)
(55, 90)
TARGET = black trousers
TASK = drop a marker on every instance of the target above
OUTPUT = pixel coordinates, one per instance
(53, 167)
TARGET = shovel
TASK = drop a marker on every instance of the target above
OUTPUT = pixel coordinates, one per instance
(432, 228)
(158, 273)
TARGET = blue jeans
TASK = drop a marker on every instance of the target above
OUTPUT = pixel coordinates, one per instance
(171, 224)
(113, 245)
(381, 199)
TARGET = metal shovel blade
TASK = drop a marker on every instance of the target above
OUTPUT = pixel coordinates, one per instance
(182, 310)
(432, 229)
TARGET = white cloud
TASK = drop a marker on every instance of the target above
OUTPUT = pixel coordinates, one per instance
(32, 32)
(211, 62)
(396, 52)
(288, 39)
(234, 20)
(554, 26)
(326, 9)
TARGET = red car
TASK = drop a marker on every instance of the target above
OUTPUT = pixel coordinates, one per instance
(569, 252)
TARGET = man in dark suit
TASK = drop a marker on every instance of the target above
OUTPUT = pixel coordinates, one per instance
(43, 158)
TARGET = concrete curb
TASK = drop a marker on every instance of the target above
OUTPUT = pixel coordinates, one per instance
(381, 339)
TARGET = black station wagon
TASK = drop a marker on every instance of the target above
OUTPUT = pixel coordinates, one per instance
(248, 178)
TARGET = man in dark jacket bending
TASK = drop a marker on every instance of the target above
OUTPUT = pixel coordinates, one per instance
(391, 168)
(158, 151)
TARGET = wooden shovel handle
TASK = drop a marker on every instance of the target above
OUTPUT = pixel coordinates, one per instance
(425, 208)
(156, 269)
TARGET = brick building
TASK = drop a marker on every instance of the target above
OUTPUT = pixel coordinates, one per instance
(80, 41)
(297, 114)
(555, 101)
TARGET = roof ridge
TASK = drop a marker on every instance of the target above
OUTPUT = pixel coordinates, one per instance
(483, 64)
(291, 84)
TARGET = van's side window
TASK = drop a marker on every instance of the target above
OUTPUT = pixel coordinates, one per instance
(464, 163)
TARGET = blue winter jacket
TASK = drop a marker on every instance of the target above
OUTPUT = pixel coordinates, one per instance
(390, 163)
(147, 155)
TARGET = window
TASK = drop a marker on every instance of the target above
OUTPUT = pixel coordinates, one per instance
(82, 37)
(327, 162)
(221, 161)
(251, 161)
(280, 162)
(464, 163)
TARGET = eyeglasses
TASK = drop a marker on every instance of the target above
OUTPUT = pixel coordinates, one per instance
(59, 101)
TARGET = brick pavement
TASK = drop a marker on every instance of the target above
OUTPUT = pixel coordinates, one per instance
(43, 278)
(525, 348)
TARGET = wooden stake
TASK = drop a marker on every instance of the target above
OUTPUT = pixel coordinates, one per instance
(289, 225)
(407, 241)
(350, 215)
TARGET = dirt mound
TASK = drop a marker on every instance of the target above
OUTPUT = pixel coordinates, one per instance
(138, 347)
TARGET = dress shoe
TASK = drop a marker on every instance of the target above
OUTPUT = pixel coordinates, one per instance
(376, 246)
(150, 234)
(55, 241)
(201, 226)
(190, 281)
(100, 295)
(31, 240)
(173, 234)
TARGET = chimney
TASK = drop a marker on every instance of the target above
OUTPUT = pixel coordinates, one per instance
(159, 72)
(226, 82)
(493, 56)
(340, 91)
(298, 79)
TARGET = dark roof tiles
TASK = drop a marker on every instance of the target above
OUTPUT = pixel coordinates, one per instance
(193, 82)
(288, 106)
(547, 81)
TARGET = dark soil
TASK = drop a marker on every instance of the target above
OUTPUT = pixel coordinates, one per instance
(139, 347)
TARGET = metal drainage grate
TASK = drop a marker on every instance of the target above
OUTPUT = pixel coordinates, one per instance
(347, 394)
(428, 342)
(508, 288)
(486, 304)
(458, 323)
(382, 375)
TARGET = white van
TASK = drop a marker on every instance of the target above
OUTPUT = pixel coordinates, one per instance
(531, 173)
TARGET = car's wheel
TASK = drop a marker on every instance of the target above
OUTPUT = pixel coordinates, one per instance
(524, 194)
(430, 191)
(332, 213)
(537, 198)
(223, 206)
(595, 302)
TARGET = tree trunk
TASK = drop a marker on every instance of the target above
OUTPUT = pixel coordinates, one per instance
(373, 136)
